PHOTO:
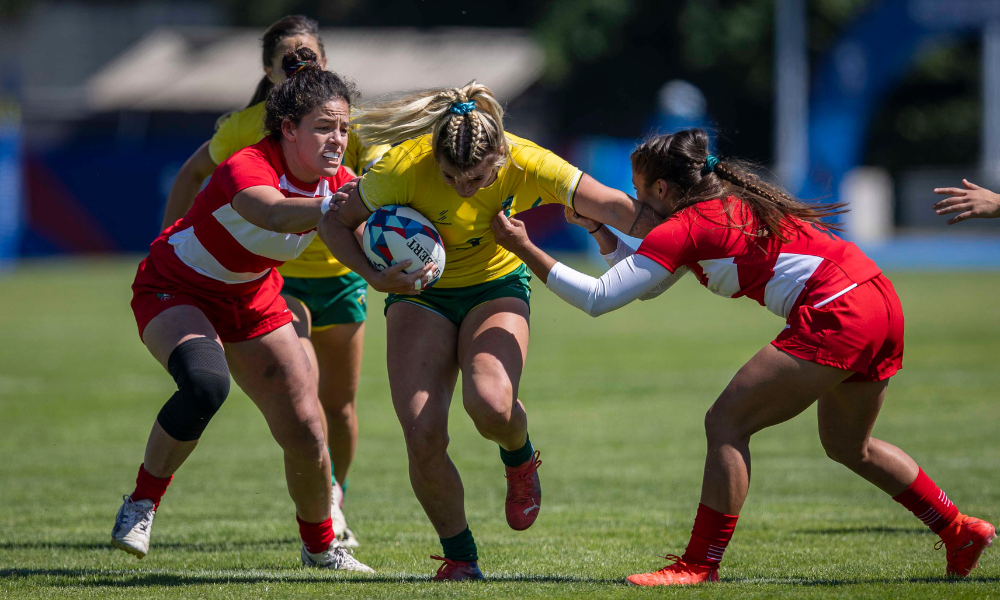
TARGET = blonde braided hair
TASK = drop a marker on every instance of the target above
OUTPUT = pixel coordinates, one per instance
(464, 139)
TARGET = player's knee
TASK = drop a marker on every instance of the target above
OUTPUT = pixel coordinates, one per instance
(847, 453)
(199, 367)
(426, 443)
(720, 427)
(489, 401)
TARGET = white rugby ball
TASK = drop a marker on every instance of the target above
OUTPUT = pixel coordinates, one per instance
(394, 233)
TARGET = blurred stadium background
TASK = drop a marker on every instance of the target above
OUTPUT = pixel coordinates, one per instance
(873, 102)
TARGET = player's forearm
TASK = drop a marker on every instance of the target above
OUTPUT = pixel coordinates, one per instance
(537, 260)
(613, 207)
(345, 245)
(192, 174)
(186, 186)
(606, 240)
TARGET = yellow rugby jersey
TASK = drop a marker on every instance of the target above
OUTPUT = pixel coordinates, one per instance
(245, 128)
(408, 175)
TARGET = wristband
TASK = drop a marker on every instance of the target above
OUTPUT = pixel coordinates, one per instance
(324, 206)
(596, 230)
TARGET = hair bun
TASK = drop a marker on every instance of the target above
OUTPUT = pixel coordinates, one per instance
(298, 60)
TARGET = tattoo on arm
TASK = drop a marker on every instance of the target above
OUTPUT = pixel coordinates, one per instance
(645, 222)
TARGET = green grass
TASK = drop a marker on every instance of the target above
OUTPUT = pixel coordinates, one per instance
(615, 404)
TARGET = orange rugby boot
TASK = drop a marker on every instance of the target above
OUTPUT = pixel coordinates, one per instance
(964, 539)
(457, 570)
(524, 494)
(679, 573)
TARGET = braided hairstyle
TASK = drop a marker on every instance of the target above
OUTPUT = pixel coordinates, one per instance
(680, 159)
(466, 123)
(306, 86)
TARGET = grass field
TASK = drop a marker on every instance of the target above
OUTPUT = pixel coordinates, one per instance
(615, 405)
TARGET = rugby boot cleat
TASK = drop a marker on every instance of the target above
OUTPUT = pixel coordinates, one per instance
(340, 529)
(524, 494)
(132, 526)
(336, 558)
(964, 540)
(679, 573)
(457, 570)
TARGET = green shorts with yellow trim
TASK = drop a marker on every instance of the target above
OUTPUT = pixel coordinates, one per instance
(331, 300)
(455, 303)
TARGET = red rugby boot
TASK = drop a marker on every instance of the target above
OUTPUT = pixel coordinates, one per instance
(679, 573)
(457, 570)
(524, 494)
(964, 539)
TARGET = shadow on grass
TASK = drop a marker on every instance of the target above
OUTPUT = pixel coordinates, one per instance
(128, 578)
(195, 546)
(867, 529)
(880, 580)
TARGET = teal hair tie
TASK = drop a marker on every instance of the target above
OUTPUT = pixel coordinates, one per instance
(463, 108)
(710, 162)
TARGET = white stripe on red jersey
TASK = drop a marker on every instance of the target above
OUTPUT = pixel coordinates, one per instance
(213, 248)
(814, 266)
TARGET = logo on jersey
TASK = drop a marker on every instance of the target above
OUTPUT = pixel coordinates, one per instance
(163, 297)
(472, 243)
(505, 206)
(440, 219)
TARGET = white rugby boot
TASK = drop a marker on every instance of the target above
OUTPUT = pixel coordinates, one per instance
(133, 525)
(340, 529)
(336, 558)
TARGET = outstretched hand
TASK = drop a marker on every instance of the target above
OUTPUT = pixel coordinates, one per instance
(970, 201)
(342, 194)
(510, 233)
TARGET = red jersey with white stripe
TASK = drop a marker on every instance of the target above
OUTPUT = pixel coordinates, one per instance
(813, 267)
(218, 252)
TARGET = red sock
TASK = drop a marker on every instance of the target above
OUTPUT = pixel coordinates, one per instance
(148, 487)
(316, 536)
(710, 536)
(928, 503)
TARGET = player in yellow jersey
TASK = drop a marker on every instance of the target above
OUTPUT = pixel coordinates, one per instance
(327, 300)
(453, 162)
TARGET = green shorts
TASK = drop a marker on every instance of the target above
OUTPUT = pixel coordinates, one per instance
(455, 303)
(331, 300)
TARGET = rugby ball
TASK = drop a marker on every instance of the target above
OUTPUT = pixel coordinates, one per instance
(394, 233)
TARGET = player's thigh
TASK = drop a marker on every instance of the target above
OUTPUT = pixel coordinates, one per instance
(421, 358)
(492, 349)
(846, 413)
(338, 352)
(274, 372)
(770, 388)
(174, 326)
(301, 318)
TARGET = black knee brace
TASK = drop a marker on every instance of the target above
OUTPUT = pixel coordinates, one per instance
(202, 375)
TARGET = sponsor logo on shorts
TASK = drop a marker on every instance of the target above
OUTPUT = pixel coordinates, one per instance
(362, 297)
(163, 297)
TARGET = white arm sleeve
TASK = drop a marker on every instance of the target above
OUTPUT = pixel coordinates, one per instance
(628, 280)
(620, 253)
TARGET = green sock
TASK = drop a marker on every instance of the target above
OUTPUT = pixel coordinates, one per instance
(516, 458)
(460, 547)
(343, 486)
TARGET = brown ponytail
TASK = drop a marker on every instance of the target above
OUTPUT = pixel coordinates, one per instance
(681, 159)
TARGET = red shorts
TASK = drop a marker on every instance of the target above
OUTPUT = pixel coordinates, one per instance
(235, 319)
(861, 331)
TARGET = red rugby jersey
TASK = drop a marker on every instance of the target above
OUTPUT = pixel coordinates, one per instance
(215, 250)
(813, 267)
